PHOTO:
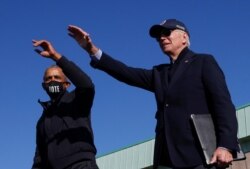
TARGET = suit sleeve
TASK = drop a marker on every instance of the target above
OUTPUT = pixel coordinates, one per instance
(141, 78)
(220, 104)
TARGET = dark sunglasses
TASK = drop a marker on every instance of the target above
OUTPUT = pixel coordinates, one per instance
(165, 33)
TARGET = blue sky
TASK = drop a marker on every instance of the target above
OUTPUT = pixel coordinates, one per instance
(121, 115)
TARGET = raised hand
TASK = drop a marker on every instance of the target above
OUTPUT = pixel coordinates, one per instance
(48, 50)
(82, 38)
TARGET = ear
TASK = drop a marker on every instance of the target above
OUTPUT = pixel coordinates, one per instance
(185, 38)
(66, 85)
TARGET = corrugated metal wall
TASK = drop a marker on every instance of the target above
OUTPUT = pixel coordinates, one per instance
(135, 157)
(243, 116)
(140, 156)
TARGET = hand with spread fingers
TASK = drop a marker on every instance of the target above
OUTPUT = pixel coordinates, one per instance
(48, 49)
(222, 157)
(82, 38)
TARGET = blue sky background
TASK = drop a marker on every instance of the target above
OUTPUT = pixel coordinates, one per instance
(121, 115)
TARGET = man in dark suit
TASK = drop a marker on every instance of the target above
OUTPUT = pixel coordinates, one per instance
(190, 83)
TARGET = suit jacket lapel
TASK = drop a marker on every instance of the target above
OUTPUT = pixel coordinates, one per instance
(185, 62)
(165, 79)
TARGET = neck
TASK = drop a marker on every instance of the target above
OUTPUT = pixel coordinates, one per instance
(174, 55)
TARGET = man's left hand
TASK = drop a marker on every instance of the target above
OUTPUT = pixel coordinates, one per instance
(222, 157)
(48, 49)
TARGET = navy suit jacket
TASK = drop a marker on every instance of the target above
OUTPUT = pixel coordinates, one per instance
(197, 87)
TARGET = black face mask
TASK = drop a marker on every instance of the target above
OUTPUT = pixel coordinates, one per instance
(54, 89)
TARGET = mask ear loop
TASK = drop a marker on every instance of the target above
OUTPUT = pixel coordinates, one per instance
(67, 83)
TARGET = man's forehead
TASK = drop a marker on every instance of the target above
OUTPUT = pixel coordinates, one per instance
(54, 71)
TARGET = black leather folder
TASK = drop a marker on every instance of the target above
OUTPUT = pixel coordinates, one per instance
(204, 127)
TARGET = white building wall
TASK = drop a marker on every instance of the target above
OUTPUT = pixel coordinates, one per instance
(140, 156)
(135, 157)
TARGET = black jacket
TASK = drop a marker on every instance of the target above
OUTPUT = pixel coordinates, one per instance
(64, 132)
(197, 87)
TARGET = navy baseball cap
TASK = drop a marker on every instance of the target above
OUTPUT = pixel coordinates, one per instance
(169, 24)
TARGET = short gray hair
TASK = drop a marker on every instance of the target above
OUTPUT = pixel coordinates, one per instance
(56, 67)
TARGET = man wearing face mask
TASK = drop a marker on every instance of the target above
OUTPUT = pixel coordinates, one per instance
(64, 138)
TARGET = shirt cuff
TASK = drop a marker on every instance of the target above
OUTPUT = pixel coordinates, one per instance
(97, 56)
(225, 149)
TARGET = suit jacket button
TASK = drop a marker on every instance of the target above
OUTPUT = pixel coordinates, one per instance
(167, 105)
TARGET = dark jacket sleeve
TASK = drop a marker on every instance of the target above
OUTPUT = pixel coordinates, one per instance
(84, 91)
(138, 77)
(224, 113)
(37, 161)
(75, 74)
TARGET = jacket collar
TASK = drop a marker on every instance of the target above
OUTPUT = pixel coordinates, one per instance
(186, 57)
(51, 103)
(180, 56)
